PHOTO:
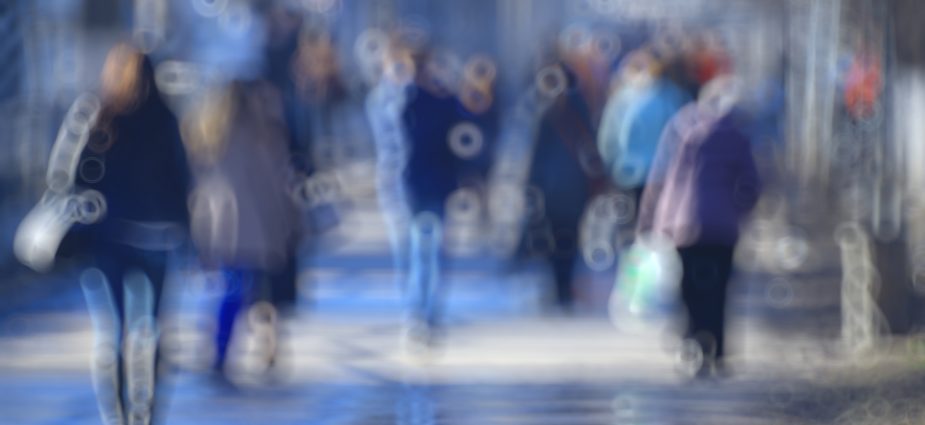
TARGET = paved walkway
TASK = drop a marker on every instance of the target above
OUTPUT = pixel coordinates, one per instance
(498, 365)
(503, 361)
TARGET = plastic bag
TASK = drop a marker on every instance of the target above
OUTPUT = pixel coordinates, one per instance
(646, 287)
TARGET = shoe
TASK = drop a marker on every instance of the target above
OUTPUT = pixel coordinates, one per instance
(722, 370)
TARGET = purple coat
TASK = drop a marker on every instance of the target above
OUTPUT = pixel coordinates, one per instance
(703, 182)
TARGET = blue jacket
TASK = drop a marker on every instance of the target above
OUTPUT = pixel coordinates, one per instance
(647, 110)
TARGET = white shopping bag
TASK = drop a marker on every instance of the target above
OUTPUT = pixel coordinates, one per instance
(645, 291)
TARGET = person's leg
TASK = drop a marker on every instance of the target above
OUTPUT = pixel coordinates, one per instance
(284, 296)
(106, 363)
(114, 261)
(140, 347)
(424, 284)
(562, 252)
(262, 316)
(415, 287)
(695, 294)
(436, 285)
(704, 283)
(154, 265)
(688, 290)
(286, 284)
(562, 273)
(722, 257)
(228, 311)
(637, 200)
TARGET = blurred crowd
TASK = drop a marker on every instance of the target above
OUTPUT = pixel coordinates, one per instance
(645, 142)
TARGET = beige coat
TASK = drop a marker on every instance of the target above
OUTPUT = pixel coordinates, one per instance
(242, 213)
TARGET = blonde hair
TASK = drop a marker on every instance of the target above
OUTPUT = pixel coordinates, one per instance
(206, 127)
(238, 106)
(122, 83)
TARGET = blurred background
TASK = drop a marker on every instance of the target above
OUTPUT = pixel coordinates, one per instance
(422, 211)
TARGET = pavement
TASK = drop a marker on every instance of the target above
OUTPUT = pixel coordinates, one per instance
(504, 359)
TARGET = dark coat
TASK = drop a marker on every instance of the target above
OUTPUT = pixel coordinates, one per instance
(145, 176)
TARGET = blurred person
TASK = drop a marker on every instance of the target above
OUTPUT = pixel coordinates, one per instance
(135, 158)
(862, 83)
(430, 171)
(283, 23)
(637, 65)
(636, 115)
(335, 151)
(700, 58)
(243, 218)
(701, 187)
(591, 55)
(384, 106)
(331, 125)
(567, 171)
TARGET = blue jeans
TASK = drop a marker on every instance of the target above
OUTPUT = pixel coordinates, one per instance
(239, 284)
(425, 288)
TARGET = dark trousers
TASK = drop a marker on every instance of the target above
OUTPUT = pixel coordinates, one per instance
(119, 263)
(563, 259)
(704, 284)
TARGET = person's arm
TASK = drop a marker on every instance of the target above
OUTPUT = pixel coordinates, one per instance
(747, 186)
(608, 132)
(665, 155)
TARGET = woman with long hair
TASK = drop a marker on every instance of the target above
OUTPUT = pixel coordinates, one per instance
(243, 215)
(135, 159)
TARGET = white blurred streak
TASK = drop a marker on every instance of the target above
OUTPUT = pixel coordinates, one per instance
(383, 107)
(150, 24)
(600, 225)
(262, 342)
(214, 217)
(71, 140)
(424, 268)
(182, 78)
(507, 202)
(139, 300)
(811, 88)
(140, 345)
(910, 134)
(370, 52)
(100, 303)
(862, 320)
(210, 8)
(104, 363)
(507, 197)
(40, 233)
